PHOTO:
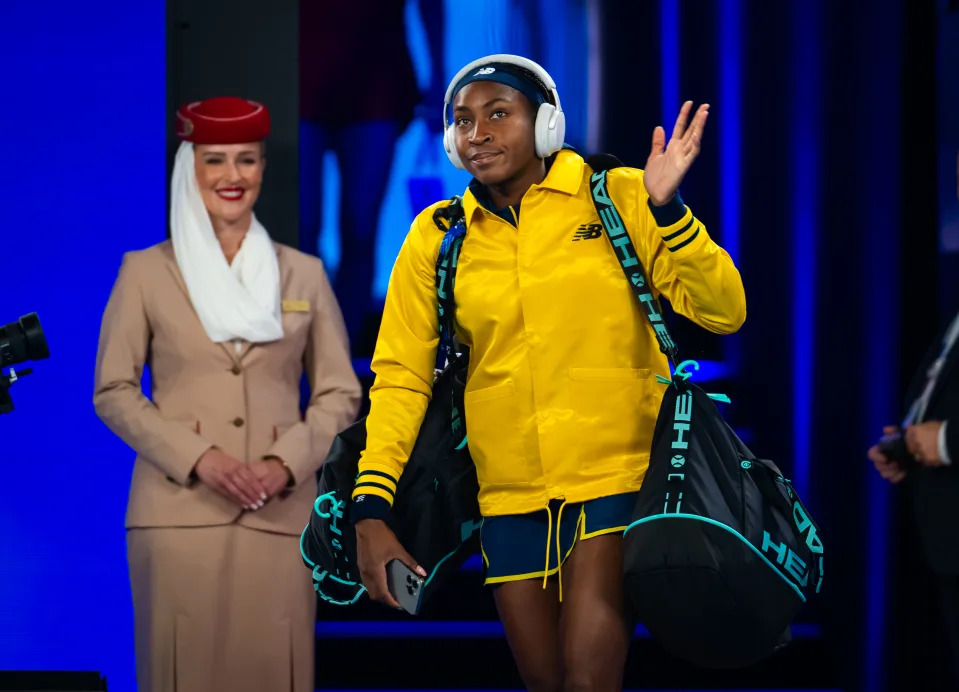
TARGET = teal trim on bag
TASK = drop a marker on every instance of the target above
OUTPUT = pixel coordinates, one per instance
(313, 566)
(448, 556)
(333, 601)
(727, 528)
(436, 569)
(307, 560)
(344, 582)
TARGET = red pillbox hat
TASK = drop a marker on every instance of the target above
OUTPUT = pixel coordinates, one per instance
(223, 120)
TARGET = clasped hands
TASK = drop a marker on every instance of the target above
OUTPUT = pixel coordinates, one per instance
(922, 441)
(250, 486)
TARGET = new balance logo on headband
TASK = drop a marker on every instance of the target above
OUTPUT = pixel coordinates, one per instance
(485, 70)
(589, 231)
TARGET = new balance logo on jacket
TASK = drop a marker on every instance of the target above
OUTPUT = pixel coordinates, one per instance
(588, 231)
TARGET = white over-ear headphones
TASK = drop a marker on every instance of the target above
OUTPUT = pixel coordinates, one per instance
(550, 126)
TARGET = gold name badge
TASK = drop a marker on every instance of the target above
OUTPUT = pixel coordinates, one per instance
(296, 306)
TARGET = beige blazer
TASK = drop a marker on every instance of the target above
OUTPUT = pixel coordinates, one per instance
(205, 394)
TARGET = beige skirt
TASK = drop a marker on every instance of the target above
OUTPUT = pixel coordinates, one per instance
(220, 608)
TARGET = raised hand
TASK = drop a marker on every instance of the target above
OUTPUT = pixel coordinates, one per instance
(667, 163)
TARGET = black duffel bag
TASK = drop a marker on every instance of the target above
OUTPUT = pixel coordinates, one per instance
(435, 513)
(721, 554)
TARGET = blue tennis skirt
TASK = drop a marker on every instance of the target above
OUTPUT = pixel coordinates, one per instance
(529, 546)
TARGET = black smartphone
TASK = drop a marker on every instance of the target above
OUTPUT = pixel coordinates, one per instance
(894, 447)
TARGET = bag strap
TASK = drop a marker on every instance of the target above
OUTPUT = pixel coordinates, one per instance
(626, 253)
(452, 221)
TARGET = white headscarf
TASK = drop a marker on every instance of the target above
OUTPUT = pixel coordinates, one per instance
(234, 301)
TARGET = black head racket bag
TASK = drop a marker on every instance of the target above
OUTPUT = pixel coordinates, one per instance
(721, 553)
(435, 512)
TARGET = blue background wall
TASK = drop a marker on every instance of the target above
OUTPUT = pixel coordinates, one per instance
(81, 181)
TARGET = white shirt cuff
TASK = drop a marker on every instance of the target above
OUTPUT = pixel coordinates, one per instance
(943, 452)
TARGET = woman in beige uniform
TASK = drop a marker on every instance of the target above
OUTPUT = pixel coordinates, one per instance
(223, 481)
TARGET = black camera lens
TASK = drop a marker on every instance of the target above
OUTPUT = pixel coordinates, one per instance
(22, 340)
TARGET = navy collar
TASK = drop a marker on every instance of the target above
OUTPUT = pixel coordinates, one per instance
(509, 214)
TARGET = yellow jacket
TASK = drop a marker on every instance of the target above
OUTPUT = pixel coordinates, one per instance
(561, 398)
